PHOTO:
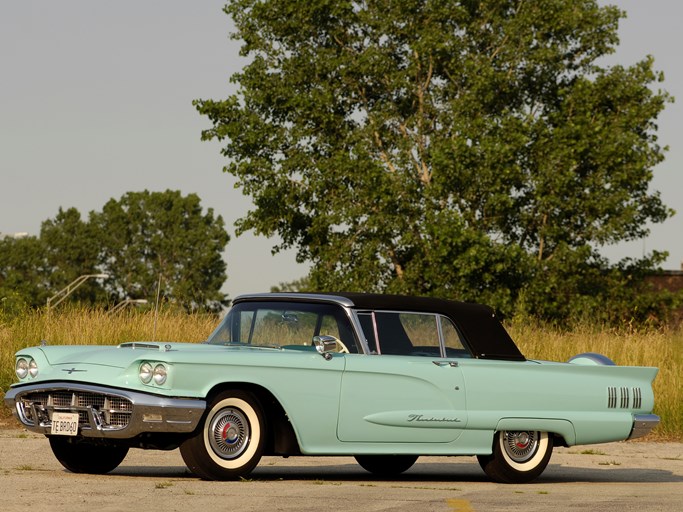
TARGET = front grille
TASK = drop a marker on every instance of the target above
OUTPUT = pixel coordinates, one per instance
(109, 412)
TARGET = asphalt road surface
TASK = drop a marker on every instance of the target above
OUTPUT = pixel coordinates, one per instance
(632, 476)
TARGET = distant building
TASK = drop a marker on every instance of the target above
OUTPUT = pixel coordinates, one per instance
(13, 235)
(671, 280)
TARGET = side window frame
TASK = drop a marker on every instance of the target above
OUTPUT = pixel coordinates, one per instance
(374, 344)
(371, 345)
(461, 339)
(442, 339)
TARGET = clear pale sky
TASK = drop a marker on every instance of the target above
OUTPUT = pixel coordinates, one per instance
(95, 101)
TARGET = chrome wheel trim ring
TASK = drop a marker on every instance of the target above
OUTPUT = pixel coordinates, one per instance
(229, 433)
(520, 446)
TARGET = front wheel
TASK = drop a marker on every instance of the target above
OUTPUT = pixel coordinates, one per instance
(84, 457)
(386, 465)
(229, 443)
(518, 456)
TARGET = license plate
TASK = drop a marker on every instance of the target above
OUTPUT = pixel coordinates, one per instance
(64, 424)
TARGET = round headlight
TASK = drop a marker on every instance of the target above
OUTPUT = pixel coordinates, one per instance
(33, 368)
(160, 374)
(21, 368)
(146, 373)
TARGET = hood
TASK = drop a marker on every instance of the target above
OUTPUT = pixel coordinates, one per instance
(120, 356)
(125, 354)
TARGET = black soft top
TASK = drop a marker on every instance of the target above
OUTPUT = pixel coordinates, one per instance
(486, 336)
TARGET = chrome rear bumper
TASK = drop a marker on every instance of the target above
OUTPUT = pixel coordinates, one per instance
(643, 424)
(103, 412)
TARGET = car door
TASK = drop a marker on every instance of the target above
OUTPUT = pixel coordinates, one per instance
(408, 392)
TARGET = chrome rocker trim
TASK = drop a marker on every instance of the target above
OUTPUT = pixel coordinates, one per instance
(643, 424)
(150, 413)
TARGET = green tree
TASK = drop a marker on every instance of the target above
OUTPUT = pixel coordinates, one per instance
(23, 282)
(466, 149)
(71, 250)
(150, 236)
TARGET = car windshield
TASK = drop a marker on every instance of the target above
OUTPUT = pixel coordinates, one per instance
(282, 324)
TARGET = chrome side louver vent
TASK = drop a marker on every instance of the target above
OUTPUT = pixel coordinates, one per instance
(622, 396)
(637, 398)
(611, 397)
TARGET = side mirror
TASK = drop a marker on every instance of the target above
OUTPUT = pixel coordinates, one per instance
(325, 345)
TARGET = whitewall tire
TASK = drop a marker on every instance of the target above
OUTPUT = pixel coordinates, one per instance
(230, 441)
(518, 456)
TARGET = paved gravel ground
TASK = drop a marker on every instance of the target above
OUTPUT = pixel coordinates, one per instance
(633, 476)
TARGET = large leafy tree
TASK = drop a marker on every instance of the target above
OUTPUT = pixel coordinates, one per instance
(471, 149)
(148, 237)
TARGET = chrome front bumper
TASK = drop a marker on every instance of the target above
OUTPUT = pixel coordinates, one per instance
(103, 412)
(643, 424)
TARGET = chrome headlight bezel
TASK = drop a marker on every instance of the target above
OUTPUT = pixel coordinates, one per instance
(152, 373)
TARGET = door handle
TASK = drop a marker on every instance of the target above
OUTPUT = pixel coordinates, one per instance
(452, 364)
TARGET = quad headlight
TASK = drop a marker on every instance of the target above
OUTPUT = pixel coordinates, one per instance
(21, 368)
(146, 372)
(157, 373)
(26, 367)
(33, 368)
(160, 374)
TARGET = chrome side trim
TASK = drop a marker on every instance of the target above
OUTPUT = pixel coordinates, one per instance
(150, 413)
(643, 424)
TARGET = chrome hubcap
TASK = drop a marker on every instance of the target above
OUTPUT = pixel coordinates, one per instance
(229, 433)
(520, 446)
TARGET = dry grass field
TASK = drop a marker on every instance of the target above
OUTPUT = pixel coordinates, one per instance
(663, 349)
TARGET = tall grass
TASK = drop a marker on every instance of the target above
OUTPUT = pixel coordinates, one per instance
(663, 349)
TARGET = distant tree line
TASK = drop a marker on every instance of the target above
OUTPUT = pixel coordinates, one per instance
(140, 241)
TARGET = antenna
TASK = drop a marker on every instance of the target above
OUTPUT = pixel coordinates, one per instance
(156, 310)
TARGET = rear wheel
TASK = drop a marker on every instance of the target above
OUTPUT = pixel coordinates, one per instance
(386, 465)
(85, 457)
(518, 456)
(229, 443)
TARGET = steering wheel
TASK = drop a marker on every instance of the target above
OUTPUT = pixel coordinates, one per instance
(343, 349)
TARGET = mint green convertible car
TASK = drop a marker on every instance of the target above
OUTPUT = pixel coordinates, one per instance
(382, 378)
